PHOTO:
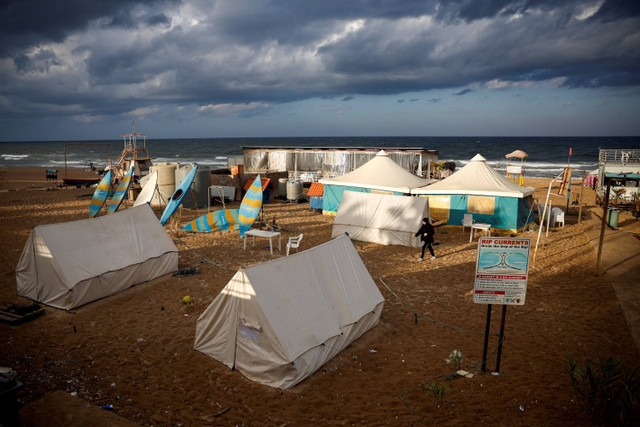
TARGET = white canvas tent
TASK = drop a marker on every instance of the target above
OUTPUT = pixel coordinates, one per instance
(379, 175)
(70, 264)
(481, 191)
(279, 321)
(381, 218)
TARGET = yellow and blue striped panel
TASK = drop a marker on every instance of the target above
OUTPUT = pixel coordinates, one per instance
(100, 195)
(250, 206)
(118, 196)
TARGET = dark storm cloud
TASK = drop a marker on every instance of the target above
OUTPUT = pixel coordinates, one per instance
(110, 56)
(612, 10)
(25, 23)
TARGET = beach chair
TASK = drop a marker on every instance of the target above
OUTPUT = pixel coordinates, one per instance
(467, 221)
(294, 242)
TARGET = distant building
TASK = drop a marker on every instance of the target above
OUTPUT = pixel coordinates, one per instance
(309, 164)
(619, 165)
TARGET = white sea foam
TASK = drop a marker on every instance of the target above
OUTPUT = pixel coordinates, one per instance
(14, 157)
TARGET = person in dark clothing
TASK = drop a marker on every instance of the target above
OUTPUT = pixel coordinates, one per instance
(426, 233)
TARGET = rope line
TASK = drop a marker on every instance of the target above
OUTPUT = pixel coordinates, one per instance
(204, 258)
(416, 315)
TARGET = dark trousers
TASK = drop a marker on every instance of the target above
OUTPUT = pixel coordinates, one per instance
(424, 247)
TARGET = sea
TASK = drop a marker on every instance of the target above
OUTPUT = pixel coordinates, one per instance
(547, 156)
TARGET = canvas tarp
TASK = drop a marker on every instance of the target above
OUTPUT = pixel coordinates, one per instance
(381, 218)
(70, 264)
(279, 321)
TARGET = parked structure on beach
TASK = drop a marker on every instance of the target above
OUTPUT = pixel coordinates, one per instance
(623, 168)
(310, 164)
(134, 151)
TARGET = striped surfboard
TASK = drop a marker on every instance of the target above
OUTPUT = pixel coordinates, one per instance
(121, 192)
(226, 219)
(250, 206)
(100, 195)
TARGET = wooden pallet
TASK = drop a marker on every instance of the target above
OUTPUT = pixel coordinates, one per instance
(14, 314)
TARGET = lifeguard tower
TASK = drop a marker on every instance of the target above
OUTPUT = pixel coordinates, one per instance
(134, 151)
(515, 166)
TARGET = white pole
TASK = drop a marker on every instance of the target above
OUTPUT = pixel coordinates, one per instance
(544, 214)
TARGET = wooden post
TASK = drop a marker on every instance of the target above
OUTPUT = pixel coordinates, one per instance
(580, 201)
(605, 205)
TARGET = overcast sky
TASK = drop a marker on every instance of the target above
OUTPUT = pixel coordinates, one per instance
(85, 69)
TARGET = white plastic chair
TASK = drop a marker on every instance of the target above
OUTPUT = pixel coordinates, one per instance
(467, 221)
(559, 218)
(294, 242)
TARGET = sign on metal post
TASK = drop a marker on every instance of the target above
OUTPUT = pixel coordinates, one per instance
(502, 271)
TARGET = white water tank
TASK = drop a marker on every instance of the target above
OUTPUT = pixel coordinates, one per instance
(166, 182)
(282, 187)
(294, 190)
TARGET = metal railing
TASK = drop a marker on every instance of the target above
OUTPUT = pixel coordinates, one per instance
(608, 155)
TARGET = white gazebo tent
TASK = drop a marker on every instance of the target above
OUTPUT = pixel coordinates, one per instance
(479, 190)
(378, 175)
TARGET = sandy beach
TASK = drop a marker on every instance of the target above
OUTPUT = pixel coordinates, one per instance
(134, 350)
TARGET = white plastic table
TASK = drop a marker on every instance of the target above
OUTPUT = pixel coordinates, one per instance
(266, 235)
(480, 226)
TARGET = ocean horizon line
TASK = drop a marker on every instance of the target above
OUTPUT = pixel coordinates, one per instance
(149, 138)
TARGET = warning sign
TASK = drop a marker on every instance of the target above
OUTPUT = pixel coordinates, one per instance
(502, 270)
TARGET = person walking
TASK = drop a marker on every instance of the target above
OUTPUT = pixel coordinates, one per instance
(426, 233)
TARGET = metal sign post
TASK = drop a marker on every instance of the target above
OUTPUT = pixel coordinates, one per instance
(502, 271)
(486, 339)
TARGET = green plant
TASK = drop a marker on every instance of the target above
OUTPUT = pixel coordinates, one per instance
(438, 390)
(606, 388)
(455, 357)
